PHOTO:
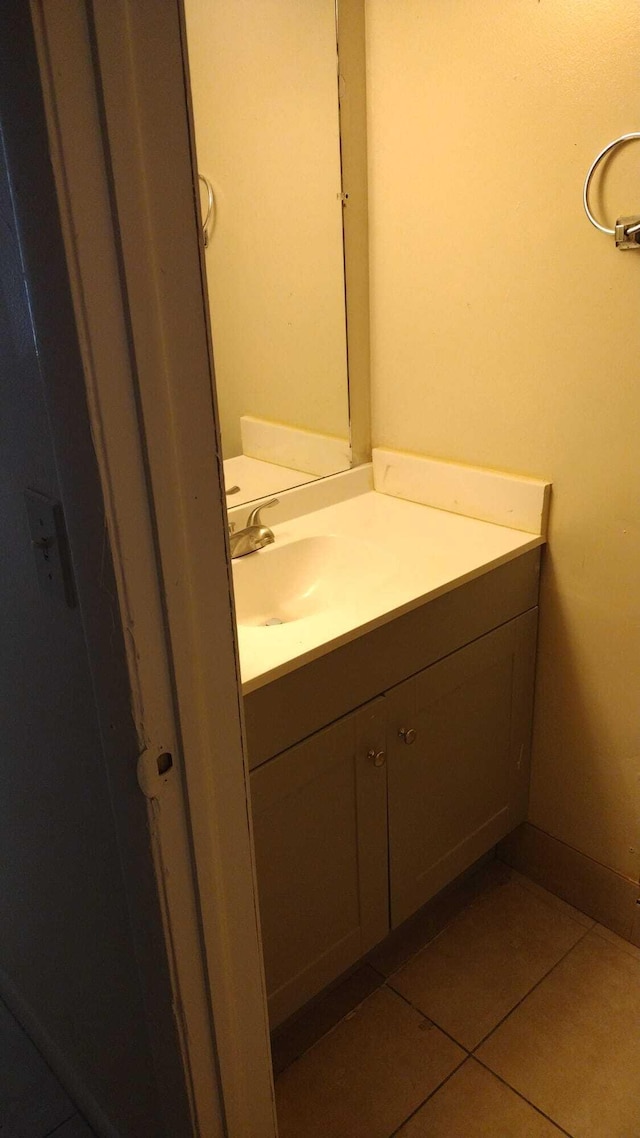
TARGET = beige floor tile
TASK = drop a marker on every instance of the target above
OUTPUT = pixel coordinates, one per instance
(573, 1046)
(620, 942)
(551, 899)
(486, 961)
(474, 1104)
(407, 940)
(297, 1036)
(365, 1077)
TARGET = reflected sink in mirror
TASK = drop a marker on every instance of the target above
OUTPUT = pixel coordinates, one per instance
(304, 578)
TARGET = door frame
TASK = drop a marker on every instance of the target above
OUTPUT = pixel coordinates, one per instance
(122, 154)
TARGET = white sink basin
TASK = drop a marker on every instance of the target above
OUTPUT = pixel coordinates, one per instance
(340, 570)
(303, 578)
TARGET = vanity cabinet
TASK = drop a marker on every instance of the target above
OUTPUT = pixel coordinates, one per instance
(458, 744)
(320, 834)
(364, 820)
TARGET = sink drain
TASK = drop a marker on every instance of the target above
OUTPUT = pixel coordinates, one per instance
(272, 621)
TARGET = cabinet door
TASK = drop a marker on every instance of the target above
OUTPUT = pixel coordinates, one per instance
(458, 747)
(320, 834)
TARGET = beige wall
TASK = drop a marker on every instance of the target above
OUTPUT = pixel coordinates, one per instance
(265, 97)
(505, 334)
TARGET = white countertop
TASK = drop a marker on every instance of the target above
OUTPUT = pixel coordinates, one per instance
(395, 556)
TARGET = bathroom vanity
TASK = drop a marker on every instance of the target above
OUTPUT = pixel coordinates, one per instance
(387, 758)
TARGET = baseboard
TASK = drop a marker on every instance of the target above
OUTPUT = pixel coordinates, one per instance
(596, 890)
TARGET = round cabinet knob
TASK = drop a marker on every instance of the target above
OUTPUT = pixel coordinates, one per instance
(408, 735)
(377, 758)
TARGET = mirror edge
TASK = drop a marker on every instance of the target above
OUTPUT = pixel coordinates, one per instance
(350, 18)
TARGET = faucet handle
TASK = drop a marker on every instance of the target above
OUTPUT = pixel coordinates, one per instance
(254, 518)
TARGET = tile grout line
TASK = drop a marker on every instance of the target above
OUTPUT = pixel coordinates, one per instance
(538, 890)
(427, 944)
(525, 882)
(428, 1019)
(325, 1034)
(481, 891)
(480, 896)
(531, 991)
(52, 1133)
(462, 1062)
(472, 1054)
(386, 982)
(521, 1096)
(627, 946)
(475, 1056)
(430, 1096)
(386, 977)
(425, 1019)
(376, 970)
(423, 947)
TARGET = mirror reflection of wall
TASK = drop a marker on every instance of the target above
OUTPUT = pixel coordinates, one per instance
(264, 86)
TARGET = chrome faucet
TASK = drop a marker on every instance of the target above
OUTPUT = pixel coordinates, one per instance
(255, 535)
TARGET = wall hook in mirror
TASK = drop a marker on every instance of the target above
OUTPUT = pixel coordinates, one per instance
(210, 207)
(627, 229)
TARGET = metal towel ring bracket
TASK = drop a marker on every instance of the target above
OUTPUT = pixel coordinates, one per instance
(210, 207)
(627, 230)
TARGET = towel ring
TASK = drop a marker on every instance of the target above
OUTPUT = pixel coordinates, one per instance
(627, 229)
(210, 207)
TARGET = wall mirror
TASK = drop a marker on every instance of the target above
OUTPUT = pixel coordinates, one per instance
(277, 88)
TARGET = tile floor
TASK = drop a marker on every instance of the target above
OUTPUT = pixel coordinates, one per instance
(32, 1102)
(499, 1012)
